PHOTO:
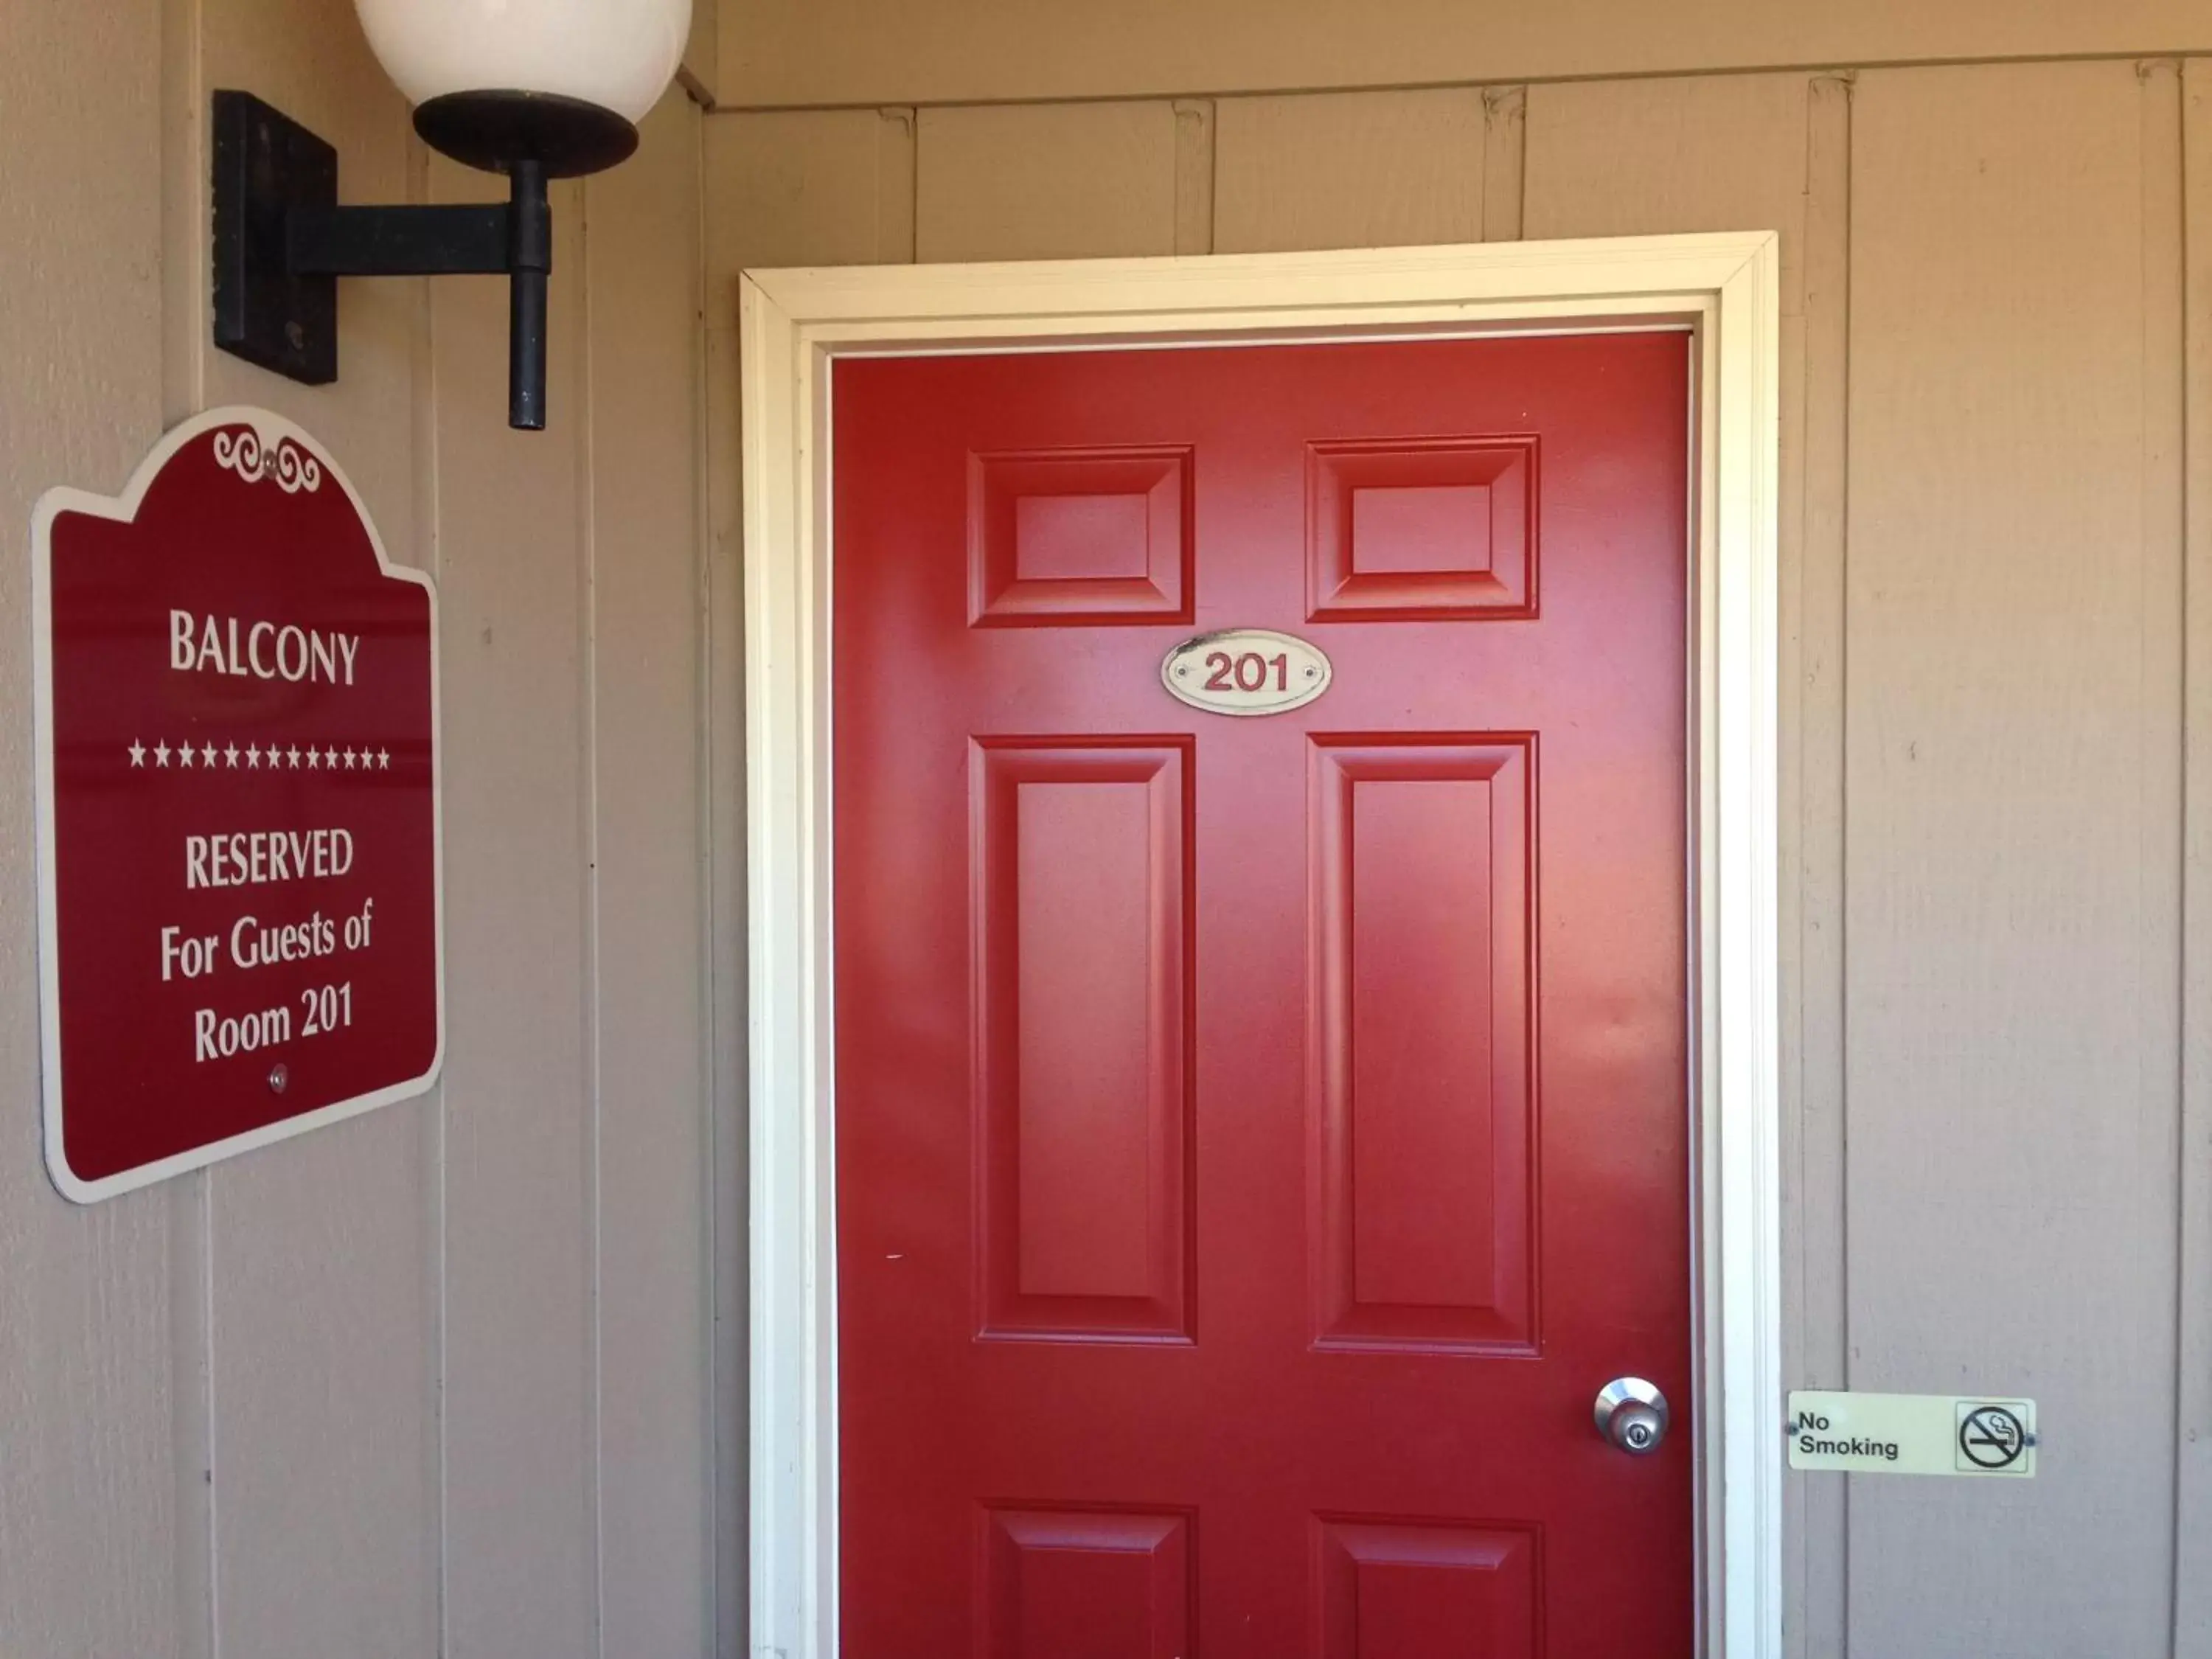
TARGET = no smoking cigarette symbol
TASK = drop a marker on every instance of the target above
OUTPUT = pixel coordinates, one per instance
(1992, 1437)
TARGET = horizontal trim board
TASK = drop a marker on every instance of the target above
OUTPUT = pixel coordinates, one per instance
(801, 54)
(1362, 336)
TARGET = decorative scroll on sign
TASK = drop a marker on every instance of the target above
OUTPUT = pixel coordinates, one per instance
(239, 904)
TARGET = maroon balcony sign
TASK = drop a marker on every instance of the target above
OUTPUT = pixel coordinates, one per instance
(239, 909)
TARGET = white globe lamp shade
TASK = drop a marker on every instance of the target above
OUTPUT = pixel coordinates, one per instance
(562, 83)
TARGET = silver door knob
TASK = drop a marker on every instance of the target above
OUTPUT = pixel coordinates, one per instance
(1632, 1414)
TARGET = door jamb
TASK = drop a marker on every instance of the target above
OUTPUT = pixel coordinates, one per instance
(793, 323)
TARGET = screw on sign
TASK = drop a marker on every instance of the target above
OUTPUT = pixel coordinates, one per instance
(1992, 1437)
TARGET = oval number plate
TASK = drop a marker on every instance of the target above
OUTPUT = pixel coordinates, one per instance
(1246, 671)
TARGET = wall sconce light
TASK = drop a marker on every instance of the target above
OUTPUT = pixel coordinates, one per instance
(536, 89)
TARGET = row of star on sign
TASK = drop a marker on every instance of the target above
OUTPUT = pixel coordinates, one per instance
(328, 760)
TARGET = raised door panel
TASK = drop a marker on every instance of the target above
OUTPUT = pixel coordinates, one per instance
(1424, 1097)
(1428, 529)
(1081, 920)
(1086, 1584)
(1060, 537)
(1391, 1590)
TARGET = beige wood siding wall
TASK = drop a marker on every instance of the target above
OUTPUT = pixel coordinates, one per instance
(456, 1377)
(433, 1381)
(1997, 564)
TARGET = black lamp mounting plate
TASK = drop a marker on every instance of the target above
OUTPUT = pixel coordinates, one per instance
(266, 165)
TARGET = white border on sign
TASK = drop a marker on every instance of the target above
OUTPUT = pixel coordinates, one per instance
(272, 429)
(1723, 288)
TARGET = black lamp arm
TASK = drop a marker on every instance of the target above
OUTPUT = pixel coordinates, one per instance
(515, 241)
(281, 241)
(396, 241)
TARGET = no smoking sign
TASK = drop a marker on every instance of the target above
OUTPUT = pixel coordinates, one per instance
(1912, 1434)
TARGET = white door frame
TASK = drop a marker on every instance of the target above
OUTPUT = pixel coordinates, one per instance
(794, 322)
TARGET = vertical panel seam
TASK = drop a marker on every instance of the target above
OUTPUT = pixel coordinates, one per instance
(2163, 283)
(897, 242)
(1843, 788)
(1194, 163)
(1844, 834)
(1828, 167)
(428, 524)
(1504, 161)
(206, 1183)
(702, 757)
(1213, 173)
(714, 1431)
(2192, 1632)
(2186, 1633)
(588, 614)
(185, 162)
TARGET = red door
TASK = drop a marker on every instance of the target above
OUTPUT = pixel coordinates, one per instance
(1260, 1139)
